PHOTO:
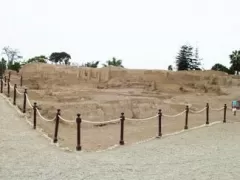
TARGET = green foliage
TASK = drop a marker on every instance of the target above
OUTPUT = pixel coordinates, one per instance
(39, 59)
(220, 67)
(231, 70)
(195, 62)
(186, 60)
(170, 68)
(93, 64)
(113, 62)
(12, 57)
(184, 57)
(3, 66)
(60, 57)
(235, 61)
(15, 66)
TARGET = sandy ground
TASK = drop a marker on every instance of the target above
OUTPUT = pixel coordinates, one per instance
(102, 137)
(130, 94)
(206, 153)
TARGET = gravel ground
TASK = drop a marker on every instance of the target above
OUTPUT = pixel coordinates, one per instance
(206, 153)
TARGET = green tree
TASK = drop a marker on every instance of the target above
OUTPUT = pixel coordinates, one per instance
(3, 66)
(231, 70)
(187, 60)
(113, 62)
(40, 59)
(195, 62)
(184, 57)
(170, 68)
(60, 57)
(220, 67)
(15, 66)
(93, 64)
(235, 61)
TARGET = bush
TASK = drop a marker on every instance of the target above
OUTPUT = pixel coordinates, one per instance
(16, 66)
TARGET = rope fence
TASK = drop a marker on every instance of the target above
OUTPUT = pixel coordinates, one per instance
(6, 85)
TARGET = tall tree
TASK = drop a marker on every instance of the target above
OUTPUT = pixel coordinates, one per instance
(114, 62)
(235, 60)
(93, 64)
(187, 60)
(60, 57)
(195, 62)
(11, 54)
(184, 58)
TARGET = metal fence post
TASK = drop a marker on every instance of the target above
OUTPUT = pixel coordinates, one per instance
(159, 123)
(21, 79)
(5, 80)
(207, 113)
(14, 94)
(55, 140)
(8, 87)
(24, 100)
(186, 118)
(34, 115)
(224, 113)
(122, 118)
(78, 121)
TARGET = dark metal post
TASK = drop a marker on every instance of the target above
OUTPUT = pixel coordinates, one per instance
(14, 94)
(5, 80)
(55, 140)
(34, 115)
(159, 123)
(8, 88)
(78, 121)
(2, 85)
(9, 75)
(122, 118)
(24, 100)
(21, 79)
(186, 118)
(207, 113)
(224, 113)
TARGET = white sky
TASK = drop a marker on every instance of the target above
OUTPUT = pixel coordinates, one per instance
(143, 33)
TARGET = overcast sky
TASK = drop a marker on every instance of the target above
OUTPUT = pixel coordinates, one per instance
(143, 33)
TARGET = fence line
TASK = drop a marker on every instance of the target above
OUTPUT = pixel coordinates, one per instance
(115, 120)
(5, 83)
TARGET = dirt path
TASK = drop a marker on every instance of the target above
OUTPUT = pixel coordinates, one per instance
(206, 153)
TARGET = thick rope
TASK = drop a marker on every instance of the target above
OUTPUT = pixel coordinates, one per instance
(173, 116)
(29, 103)
(69, 121)
(197, 112)
(43, 118)
(101, 122)
(90, 122)
(217, 109)
(19, 92)
(12, 87)
(145, 119)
